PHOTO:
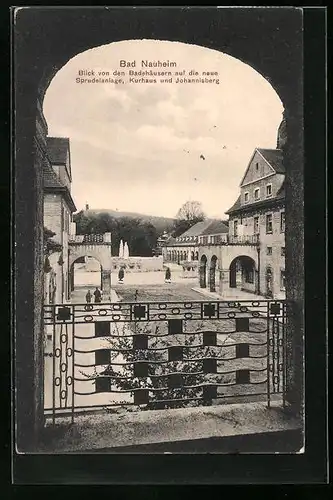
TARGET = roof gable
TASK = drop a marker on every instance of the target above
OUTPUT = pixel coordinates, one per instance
(274, 157)
(251, 174)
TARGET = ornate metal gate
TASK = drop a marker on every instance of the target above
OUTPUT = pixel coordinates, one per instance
(157, 355)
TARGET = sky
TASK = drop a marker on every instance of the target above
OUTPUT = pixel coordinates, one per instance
(139, 147)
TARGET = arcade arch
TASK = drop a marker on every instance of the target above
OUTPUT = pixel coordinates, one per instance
(243, 273)
(85, 272)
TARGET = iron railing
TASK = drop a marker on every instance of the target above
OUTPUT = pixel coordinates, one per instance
(155, 355)
(252, 239)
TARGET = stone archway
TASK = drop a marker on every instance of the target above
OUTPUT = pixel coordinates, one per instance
(39, 54)
(72, 275)
(243, 273)
(98, 247)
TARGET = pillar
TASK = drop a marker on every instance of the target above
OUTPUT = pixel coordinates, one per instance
(256, 282)
(211, 279)
(224, 281)
(294, 234)
(202, 276)
(31, 131)
(106, 283)
(221, 277)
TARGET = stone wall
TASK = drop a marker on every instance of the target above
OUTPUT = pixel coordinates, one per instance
(138, 264)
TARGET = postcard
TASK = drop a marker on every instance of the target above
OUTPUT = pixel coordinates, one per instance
(159, 230)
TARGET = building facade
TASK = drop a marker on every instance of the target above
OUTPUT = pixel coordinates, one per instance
(58, 210)
(185, 248)
(252, 256)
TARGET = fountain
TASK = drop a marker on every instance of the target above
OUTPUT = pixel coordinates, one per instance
(126, 251)
(121, 249)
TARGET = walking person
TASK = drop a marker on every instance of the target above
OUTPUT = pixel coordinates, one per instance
(167, 275)
(98, 295)
(121, 275)
(88, 297)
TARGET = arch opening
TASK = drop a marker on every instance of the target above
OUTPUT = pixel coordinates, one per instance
(85, 274)
(243, 274)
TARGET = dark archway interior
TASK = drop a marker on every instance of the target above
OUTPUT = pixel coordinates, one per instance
(246, 266)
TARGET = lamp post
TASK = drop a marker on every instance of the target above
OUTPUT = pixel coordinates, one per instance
(258, 253)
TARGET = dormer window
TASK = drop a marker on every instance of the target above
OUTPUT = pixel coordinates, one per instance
(246, 197)
(268, 190)
(257, 194)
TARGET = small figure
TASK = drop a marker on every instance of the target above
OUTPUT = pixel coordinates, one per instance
(98, 295)
(88, 297)
(167, 275)
(121, 275)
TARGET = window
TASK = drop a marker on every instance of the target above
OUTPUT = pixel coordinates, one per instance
(269, 251)
(257, 194)
(282, 280)
(236, 228)
(256, 225)
(269, 224)
(283, 251)
(246, 197)
(268, 190)
(282, 222)
(257, 166)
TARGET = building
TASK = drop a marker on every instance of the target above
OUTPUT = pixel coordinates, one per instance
(58, 209)
(161, 240)
(186, 246)
(252, 256)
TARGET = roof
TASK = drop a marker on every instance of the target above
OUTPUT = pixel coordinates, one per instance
(53, 184)
(235, 206)
(275, 158)
(197, 229)
(57, 148)
(216, 227)
(51, 180)
(189, 238)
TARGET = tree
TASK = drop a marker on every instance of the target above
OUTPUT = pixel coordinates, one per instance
(189, 214)
(140, 235)
(191, 211)
(50, 246)
(189, 371)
